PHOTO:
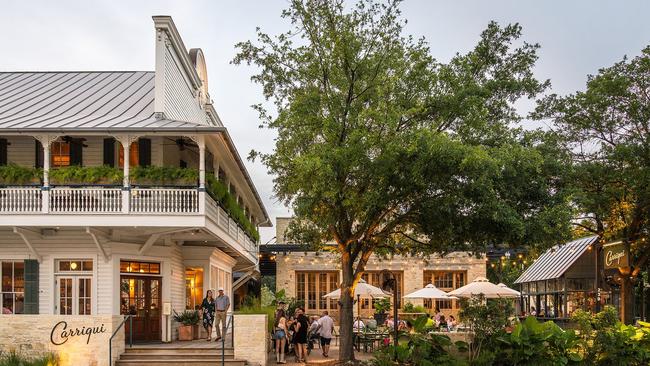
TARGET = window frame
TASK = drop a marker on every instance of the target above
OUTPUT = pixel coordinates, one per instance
(13, 291)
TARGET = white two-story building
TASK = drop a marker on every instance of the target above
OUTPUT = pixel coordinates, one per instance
(121, 192)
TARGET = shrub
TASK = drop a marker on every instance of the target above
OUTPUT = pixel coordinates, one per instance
(164, 175)
(18, 175)
(86, 175)
(382, 305)
(14, 359)
(486, 318)
(410, 308)
(257, 309)
(535, 343)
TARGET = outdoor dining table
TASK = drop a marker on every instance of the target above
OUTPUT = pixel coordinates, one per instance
(369, 337)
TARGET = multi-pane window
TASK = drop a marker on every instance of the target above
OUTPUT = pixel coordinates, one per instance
(139, 267)
(13, 287)
(60, 152)
(74, 282)
(134, 154)
(378, 279)
(312, 286)
(445, 281)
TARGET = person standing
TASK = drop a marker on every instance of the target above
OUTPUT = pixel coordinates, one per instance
(326, 329)
(207, 310)
(222, 303)
(300, 337)
(281, 335)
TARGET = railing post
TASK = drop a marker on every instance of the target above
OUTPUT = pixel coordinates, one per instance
(200, 139)
(46, 141)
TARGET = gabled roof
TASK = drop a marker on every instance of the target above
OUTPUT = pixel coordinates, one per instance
(83, 101)
(556, 260)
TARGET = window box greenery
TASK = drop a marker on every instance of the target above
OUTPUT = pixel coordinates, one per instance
(163, 176)
(13, 174)
(219, 192)
(104, 175)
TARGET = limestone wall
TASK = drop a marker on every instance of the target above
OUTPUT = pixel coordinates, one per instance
(250, 338)
(78, 340)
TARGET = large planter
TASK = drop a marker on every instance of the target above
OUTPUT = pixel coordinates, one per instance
(196, 331)
(185, 332)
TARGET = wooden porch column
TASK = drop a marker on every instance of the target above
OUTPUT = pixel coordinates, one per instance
(126, 141)
(46, 141)
(200, 140)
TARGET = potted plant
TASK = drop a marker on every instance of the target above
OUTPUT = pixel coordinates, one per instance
(382, 307)
(186, 320)
(100, 175)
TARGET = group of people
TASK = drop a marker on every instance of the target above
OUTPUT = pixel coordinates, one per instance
(298, 333)
(436, 321)
(215, 309)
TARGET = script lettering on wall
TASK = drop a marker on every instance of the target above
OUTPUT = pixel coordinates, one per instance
(61, 333)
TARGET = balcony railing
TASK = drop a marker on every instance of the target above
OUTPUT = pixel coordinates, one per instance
(115, 200)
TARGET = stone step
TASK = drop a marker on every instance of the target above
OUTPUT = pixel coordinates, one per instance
(175, 356)
(163, 351)
(185, 362)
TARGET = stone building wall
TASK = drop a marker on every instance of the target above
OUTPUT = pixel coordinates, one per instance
(413, 269)
(35, 335)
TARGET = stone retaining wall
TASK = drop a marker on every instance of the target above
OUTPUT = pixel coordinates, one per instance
(77, 340)
(250, 338)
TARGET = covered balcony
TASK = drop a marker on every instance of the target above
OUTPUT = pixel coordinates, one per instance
(164, 182)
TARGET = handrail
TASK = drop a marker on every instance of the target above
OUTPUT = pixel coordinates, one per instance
(128, 317)
(230, 321)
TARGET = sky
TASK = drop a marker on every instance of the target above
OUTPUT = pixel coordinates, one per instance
(576, 37)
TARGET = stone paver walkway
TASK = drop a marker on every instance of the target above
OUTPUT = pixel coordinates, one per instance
(316, 357)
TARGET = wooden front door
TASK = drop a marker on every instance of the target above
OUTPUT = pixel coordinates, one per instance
(141, 297)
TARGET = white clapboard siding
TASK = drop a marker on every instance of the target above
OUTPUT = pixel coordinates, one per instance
(180, 102)
(177, 284)
(22, 150)
(93, 154)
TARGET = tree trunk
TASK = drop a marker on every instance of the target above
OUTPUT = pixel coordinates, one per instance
(627, 300)
(346, 350)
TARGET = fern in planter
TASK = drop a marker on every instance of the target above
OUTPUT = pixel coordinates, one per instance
(219, 192)
(86, 175)
(163, 176)
(187, 317)
(18, 175)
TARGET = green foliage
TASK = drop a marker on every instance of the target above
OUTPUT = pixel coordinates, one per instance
(418, 349)
(257, 309)
(14, 359)
(382, 305)
(187, 317)
(267, 297)
(13, 174)
(486, 318)
(219, 192)
(535, 343)
(410, 308)
(291, 302)
(269, 282)
(605, 341)
(379, 145)
(163, 176)
(76, 174)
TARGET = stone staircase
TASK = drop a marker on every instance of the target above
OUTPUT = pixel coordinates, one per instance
(177, 356)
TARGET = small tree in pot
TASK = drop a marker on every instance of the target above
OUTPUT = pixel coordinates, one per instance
(382, 307)
(187, 319)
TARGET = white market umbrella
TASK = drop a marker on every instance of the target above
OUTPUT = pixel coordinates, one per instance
(429, 292)
(515, 293)
(481, 285)
(362, 289)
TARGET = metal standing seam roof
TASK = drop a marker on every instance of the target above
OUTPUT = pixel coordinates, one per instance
(83, 102)
(556, 260)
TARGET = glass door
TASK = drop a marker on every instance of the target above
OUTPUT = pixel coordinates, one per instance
(140, 297)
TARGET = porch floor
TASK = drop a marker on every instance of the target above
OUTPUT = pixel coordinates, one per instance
(195, 344)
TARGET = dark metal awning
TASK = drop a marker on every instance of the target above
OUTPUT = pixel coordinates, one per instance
(556, 260)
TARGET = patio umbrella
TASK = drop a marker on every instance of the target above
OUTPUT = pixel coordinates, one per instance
(362, 289)
(514, 292)
(481, 285)
(429, 292)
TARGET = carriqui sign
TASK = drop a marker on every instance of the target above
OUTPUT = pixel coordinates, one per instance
(616, 255)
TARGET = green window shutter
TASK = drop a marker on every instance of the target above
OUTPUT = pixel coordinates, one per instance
(38, 154)
(76, 152)
(31, 286)
(3, 151)
(109, 152)
(144, 151)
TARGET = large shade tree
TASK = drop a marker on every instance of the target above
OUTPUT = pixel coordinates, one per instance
(382, 149)
(607, 131)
